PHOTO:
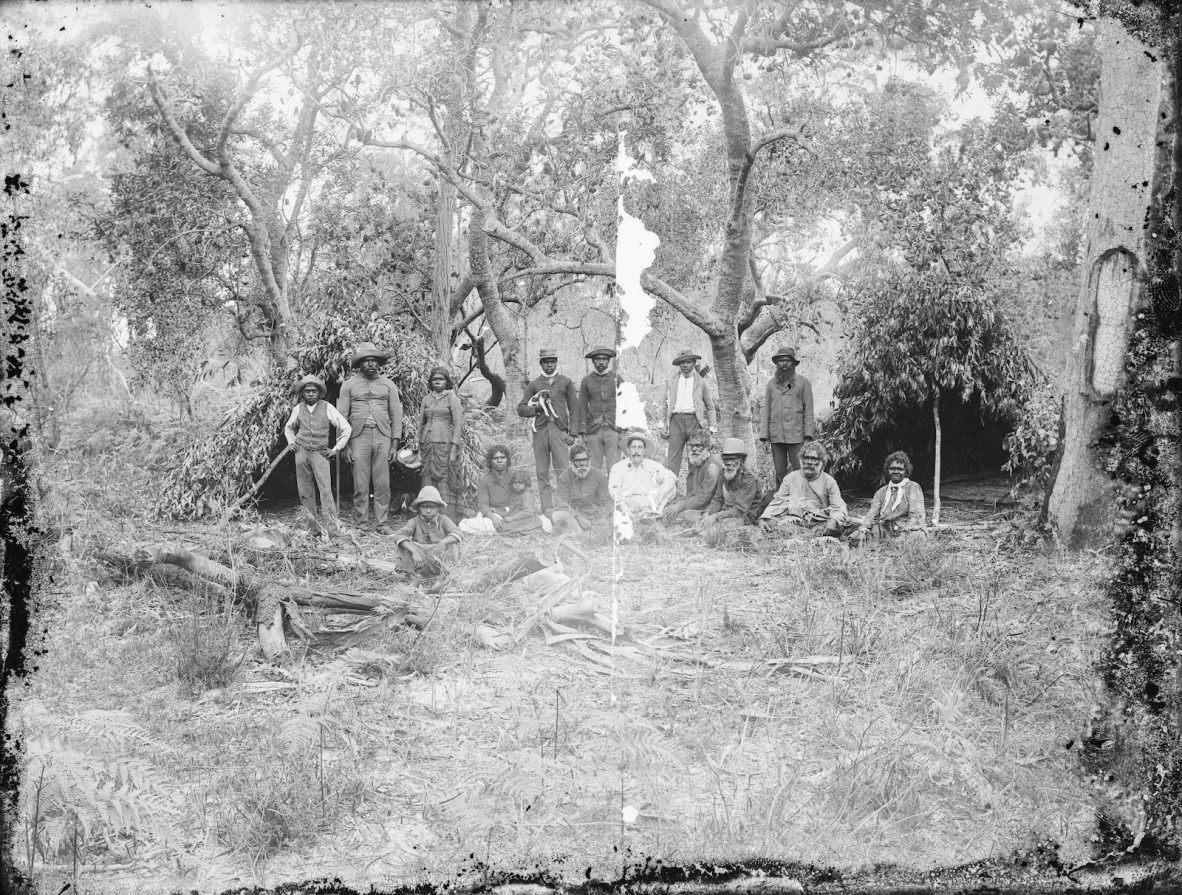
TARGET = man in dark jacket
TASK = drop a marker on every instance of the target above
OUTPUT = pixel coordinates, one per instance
(371, 404)
(742, 495)
(551, 405)
(703, 484)
(786, 422)
(597, 409)
(582, 502)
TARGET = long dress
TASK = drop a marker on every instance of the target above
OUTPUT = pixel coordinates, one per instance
(441, 420)
(518, 512)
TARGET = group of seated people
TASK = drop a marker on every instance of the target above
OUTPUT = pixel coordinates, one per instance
(719, 491)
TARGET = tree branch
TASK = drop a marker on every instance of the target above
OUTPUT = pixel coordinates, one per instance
(174, 128)
(248, 89)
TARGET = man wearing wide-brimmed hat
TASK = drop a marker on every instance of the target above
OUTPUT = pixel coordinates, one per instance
(371, 404)
(742, 495)
(597, 408)
(307, 429)
(641, 486)
(428, 537)
(786, 421)
(551, 406)
(686, 407)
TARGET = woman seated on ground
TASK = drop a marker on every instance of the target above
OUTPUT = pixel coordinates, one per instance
(897, 508)
(499, 504)
(441, 423)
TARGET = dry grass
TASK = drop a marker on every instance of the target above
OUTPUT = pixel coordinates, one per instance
(897, 703)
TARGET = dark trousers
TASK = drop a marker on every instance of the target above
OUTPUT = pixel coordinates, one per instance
(550, 449)
(603, 444)
(681, 426)
(312, 473)
(371, 465)
(783, 455)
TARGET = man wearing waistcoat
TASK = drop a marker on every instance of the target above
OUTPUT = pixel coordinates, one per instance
(687, 406)
(307, 429)
(370, 402)
(786, 422)
(597, 409)
(551, 406)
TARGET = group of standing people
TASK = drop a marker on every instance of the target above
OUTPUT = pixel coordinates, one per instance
(600, 471)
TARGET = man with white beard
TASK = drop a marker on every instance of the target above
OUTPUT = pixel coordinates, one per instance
(639, 485)
(703, 484)
(582, 501)
(808, 502)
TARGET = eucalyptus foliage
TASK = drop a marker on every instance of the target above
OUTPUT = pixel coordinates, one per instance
(213, 473)
(922, 335)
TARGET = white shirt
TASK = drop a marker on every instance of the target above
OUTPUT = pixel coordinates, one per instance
(344, 430)
(685, 395)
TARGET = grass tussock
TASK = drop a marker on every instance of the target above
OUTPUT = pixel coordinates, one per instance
(906, 702)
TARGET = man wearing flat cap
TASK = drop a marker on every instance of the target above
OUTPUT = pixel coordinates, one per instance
(686, 407)
(597, 409)
(551, 405)
(371, 404)
(307, 429)
(786, 421)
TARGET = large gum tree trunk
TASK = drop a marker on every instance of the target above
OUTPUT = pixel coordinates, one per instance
(734, 386)
(1082, 506)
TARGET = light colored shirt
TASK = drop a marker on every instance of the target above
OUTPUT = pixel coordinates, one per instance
(797, 496)
(685, 395)
(640, 484)
(344, 430)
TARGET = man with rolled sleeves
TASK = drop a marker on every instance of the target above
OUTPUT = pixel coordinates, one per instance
(686, 407)
(371, 404)
(786, 422)
(551, 405)
(597, 409)
(307, 430)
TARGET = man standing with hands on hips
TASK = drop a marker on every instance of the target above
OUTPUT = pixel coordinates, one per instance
(551, 406)
(787, 419)
(687, 407)
(371, 404)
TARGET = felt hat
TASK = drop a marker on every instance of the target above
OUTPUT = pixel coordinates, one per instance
(312, 379)
(649, 444)
(368, 349)
(734, 447)
(429, 494)
(685, 355)
(410, 459)
(547, 353)
(785, 351)
(600, 349)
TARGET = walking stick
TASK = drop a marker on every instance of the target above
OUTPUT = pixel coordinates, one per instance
(337, 496)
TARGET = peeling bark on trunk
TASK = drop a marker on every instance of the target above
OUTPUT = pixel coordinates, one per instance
(441, 280)
(499, 320)
(1082, 503)
(936, 474)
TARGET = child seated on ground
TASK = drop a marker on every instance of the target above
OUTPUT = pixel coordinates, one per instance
(427, 538)
(519, 517)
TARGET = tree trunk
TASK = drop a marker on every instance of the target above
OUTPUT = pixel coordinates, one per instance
(734, 406)
(496, 315)
(936, 473)
(441, 280)
(1082, 505)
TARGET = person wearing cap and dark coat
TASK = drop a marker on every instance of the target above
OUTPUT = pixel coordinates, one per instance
(441, 421)
(371, 404)
(307, 429)
(551, 405)
(426, 538)
(686, 407)
(597, 409)
(786, 421)
(703, 484)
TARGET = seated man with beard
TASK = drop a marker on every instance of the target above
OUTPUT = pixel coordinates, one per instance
(582, 501)
(703, 484)
(808, 502)
(741, 492)
(639, 485)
